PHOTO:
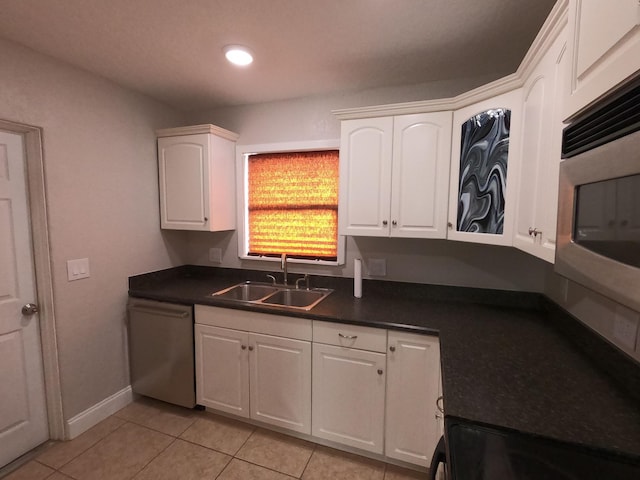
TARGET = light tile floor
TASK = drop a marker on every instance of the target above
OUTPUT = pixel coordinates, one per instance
(151, 440)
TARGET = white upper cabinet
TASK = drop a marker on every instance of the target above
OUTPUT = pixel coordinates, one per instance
(394, 175)
(535, 231)
(365, 176)
(484, 170)
(606, 48)
(197, 178)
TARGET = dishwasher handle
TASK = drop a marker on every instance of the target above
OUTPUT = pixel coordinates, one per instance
(159, 311)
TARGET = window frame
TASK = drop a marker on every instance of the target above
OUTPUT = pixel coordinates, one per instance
(242, 152)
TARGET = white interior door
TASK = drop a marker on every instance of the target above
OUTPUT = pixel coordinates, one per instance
(23, 416)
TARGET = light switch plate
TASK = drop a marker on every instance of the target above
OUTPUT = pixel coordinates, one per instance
(77, 269)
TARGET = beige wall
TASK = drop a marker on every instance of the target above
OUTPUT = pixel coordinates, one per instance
(439, 262)
(307, 119)
(101, 183)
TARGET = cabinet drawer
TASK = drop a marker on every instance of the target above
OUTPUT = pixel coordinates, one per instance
(278, 325)
(351, 336)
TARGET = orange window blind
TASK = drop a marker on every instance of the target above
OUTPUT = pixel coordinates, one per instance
(293, 204)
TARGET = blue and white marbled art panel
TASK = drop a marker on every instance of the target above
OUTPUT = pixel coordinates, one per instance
(483, 172)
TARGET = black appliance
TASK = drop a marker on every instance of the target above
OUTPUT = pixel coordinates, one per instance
(479, 452)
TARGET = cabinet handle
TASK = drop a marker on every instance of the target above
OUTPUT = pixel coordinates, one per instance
(439, 404)
(251, 348)
(243, 347)
(394, 223)
(159, 311)
(380, 371)
(348, 337)
(392, 348)
(534, 231)
(206, 219)
(450, 225)
(385, 223)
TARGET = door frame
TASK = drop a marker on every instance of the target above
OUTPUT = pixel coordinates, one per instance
(32, 137)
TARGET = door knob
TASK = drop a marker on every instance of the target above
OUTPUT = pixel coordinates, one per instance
(29, 309)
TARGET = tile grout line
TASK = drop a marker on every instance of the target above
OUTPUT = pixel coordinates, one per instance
(59, 469)
(157, 455)
(255, 430)
(306, 465)
(232, 457)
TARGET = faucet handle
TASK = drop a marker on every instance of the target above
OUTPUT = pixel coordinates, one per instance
(305, 279)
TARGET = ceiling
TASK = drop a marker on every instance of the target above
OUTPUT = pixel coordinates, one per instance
(172, 50)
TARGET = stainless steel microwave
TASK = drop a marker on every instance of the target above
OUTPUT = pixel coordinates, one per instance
(598, 237)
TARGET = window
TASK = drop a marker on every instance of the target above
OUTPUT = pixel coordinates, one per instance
(291, 204)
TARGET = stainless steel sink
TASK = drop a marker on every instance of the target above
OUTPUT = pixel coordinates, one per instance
(247, 292)
(305, 299)
(274, 295)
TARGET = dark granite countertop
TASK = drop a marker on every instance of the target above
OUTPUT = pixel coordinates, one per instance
(509, 359)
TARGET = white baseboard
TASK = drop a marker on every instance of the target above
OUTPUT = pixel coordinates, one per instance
(95, 414)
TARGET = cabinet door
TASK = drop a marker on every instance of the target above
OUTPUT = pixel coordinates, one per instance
(365, 176)
(535, 231)
(484, 170)
(183, 163)
(348, 396)
(606, 48)
(280, 377)
(222, 369)
(413, 373)
(421, 158)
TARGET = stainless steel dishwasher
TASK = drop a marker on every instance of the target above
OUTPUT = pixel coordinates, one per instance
(161, 358)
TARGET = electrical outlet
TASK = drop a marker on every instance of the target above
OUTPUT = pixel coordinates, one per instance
(378, 267)
(625, 327)
(215, 255)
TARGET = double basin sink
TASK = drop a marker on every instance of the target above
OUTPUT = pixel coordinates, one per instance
(274, 295)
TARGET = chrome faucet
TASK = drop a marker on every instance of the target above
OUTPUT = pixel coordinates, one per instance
(283, 265)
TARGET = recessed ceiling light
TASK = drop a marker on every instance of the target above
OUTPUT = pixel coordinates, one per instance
(238, 55)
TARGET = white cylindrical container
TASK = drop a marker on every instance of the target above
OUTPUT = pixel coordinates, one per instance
(357, 278)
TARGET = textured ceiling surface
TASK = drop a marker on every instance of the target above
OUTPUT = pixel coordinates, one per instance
(172, 50)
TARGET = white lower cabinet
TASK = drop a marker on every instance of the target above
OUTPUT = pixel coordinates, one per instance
(280, 380)
(348, 396)
(413, 376)
(222, 369)
(254, 375)
(357, 386)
